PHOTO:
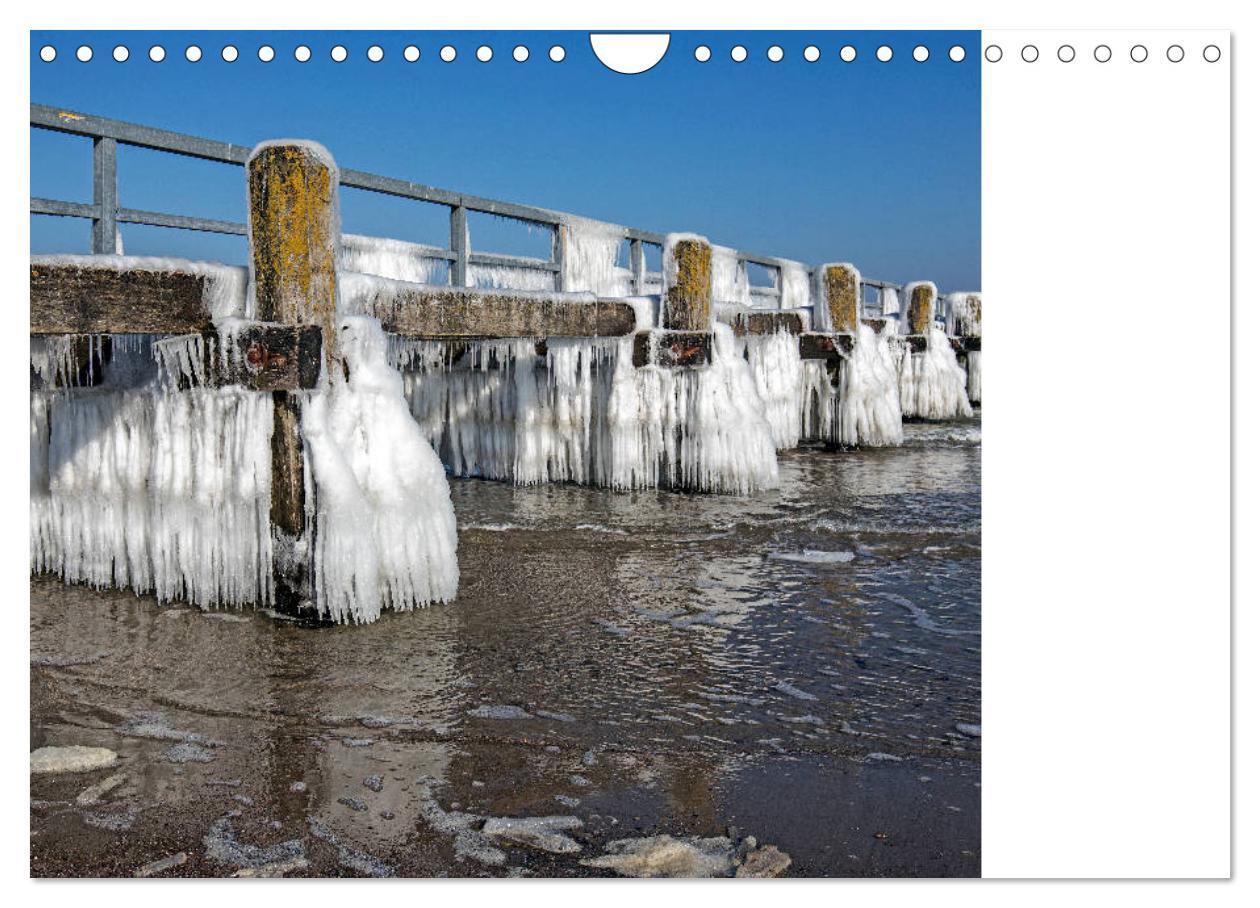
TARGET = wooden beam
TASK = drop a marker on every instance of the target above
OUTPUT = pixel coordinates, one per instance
(74, 299)
(672, 349)
(441, 313)
(830, 347)
(266, 357)
(744, 323)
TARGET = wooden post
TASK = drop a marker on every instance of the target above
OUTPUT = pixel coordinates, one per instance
(689, 294)
(922, 302)
(294, 233)
(840, 287)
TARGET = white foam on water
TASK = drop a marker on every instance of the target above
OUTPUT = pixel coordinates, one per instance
(814, 556)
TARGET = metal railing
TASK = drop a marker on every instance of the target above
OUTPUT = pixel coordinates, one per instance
(105, 214)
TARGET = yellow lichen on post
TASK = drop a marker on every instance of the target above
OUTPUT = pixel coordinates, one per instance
(922, 298)
(842, 289)
(689, 296)
(294, 234)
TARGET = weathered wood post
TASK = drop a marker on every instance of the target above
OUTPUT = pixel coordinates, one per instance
(294, 231)
(689, 284)
(922, 302)
(964, 319)
(839, 289)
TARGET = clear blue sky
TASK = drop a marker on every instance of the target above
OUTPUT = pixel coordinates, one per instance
(874, 163)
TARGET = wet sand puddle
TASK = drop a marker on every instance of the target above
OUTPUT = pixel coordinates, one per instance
(801, 667)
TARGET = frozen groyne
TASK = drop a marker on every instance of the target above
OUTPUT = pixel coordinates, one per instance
(282, 435)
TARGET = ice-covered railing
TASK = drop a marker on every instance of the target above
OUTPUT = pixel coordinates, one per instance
(460, 263)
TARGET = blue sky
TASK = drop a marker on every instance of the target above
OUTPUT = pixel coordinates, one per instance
(873, 163)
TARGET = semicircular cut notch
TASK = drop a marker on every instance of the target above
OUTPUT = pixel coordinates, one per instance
(630, 54)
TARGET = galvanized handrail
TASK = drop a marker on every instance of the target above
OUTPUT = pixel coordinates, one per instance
(105, 214)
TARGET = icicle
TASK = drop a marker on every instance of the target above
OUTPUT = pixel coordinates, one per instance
(870, 408)
(730, 281)
(395, 259)
(775, 361)
(933, 385)
(385, 525)
(586, 414)
(162, 493)
(590, 259)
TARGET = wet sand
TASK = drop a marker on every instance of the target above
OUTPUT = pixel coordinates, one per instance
(802, 667)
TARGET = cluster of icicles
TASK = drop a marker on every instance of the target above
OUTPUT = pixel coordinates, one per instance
(156, 480)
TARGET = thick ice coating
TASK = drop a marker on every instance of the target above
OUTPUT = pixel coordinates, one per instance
(585, 414)
(385, 527)
(163, 492)
(933, 385)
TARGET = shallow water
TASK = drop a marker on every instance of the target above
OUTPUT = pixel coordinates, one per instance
(802, 665)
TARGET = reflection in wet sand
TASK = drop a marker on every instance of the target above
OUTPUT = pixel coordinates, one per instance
(801, 666)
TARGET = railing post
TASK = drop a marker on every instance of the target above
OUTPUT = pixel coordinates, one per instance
(105, 196)
(839, 290)
(689, 284)
(637, 267)
(459, 245)
(294, 233)
(559, 254)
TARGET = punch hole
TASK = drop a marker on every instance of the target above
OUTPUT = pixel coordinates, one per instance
(301, 53)
(83, 54)
(192, 53)
(121, 53)
(338, 54)
(376, 53)
(485, 53)
(1211, 53)
(48, 53)
(739, 53)
(1137, 53)
(411, 53)
(774, 54)
(266, 53)
(993, 53)
(229, 54)
(447, 53)
(883, 53)
(958, 53)
(848, 53)
(1102, 53)
(1067, 53)
(921, 54)
(811, 54)
(556, 54)
(520, 53)
(703, 54)
(1176, 54)
(157, 53)
(1030, 53)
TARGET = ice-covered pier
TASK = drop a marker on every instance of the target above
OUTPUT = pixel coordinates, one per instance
(280, 434)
